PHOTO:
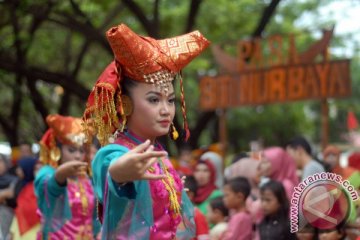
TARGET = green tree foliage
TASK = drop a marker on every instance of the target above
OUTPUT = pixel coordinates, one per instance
(51, 53)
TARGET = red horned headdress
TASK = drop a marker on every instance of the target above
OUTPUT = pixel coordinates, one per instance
(62, 129)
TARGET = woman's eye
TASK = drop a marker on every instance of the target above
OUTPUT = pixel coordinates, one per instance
(172, 100)
(72, 150)
(153, 100)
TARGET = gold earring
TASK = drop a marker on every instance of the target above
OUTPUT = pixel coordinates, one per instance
(126, 109)
(55, 154)
(126, 105)
(173, 132)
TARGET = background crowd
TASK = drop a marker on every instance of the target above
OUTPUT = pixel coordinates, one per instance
(242, 196)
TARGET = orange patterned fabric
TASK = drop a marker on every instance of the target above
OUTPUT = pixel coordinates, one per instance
(141, 56)
(64, 129)
(142, 59)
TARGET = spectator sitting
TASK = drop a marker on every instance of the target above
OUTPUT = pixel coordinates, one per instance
(240, 226)
(202, 228)
(217, 215)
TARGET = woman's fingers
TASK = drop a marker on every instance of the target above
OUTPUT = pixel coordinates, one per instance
(148, 164)
(81, 169)
(150, 148)
(81, 164)
(149, 176)
(150, 154)
(141, 148)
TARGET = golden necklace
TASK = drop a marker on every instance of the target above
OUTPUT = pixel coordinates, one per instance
(169, 184)
(82, 195)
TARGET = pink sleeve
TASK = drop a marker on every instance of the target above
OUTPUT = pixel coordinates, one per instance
(255, 210)
(289, 188)
(239, 228)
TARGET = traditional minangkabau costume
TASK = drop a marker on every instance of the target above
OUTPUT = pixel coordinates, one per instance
(156, 209)
(67, 212)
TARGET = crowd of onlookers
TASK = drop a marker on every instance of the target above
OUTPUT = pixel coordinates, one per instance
(18, 204)
(250, 198)
(247, 198)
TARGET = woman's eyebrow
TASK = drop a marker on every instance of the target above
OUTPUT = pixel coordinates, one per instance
(160, 94)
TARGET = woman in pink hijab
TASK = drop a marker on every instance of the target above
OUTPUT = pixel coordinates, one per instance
(279, 166)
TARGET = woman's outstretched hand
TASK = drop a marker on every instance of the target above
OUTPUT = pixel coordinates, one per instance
(134, 164)
(69, 169)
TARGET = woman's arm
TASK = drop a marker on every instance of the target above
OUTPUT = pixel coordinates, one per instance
(134, 164)
(69, 169)
(52, 200)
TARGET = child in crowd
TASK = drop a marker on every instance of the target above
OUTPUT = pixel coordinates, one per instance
(336, 233)
(307, 233)
(202, 228)
(275, 205)
(217, 215)
(235, 193)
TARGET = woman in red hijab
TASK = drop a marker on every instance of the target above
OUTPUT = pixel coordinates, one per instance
(26, 222)
(205, 175)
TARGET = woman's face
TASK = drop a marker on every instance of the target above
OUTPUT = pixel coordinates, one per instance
(72, 153)
(330, 235)
(264, 168)
(20, 173)
(153, 110)
(202, 174)
(269, 203)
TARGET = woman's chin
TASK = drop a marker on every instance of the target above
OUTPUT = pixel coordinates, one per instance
(161, 132)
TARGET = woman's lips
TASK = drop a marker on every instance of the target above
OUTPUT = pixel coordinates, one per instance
(164, 123)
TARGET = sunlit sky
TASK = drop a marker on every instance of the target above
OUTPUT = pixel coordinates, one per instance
(347, 16)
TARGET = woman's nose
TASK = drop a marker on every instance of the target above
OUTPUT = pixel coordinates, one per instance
(164, 109)
(77, 155)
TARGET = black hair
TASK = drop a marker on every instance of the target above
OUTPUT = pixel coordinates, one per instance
(300, 141)
(96, 143)
(218, 203)
(279, 192)
(127, 84)
(191, 184)
(239, 156)
(240, 185)
(340, 228)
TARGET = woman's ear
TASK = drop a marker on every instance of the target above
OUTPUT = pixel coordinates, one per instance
(127, 105)
(241, 195)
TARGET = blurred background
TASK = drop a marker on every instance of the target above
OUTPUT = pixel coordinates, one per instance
(51, 53)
